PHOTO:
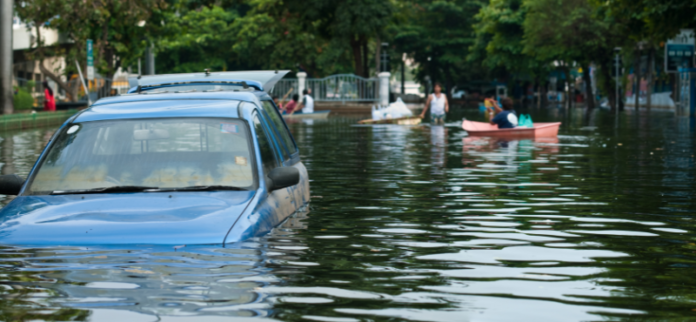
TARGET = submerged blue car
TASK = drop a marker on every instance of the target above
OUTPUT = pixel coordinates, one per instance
(168, 167)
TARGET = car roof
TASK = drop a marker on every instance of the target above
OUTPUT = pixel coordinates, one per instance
(263, 80)
(210, 104)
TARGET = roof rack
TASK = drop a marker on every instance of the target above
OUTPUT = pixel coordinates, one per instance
(242, 83)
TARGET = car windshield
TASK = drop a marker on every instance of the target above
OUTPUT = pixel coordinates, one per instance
(155, 153)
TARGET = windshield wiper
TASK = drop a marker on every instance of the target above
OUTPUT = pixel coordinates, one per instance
(204, 188)
(104, 189)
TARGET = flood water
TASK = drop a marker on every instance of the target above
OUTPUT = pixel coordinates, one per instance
(415, 223)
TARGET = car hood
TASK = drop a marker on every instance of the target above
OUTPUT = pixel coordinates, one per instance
(126, 218)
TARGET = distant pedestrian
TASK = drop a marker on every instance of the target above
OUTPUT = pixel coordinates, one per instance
(437, 102)
(307, 105)
(506, 118)
(289, 108)
(49, 99)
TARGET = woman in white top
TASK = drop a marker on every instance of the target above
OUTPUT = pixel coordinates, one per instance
(438, 105)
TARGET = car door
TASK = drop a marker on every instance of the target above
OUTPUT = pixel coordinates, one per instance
(279, 204)
(289, 150)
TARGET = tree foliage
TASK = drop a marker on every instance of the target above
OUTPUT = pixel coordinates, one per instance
(113, 25)
(437, 35)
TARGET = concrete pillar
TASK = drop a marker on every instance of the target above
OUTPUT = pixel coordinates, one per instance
(384, 88)
(301, 83)
(150, 60)
(6, 94)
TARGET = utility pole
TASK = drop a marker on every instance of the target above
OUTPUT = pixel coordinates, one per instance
(403, 74)
(6, 94)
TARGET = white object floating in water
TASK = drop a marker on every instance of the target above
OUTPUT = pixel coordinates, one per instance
(394, 110)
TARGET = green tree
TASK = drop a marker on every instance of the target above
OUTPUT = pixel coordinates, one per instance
(578, 34)
(437, 35)
(648, 23)
(351, 22)
(253, 34)
(114, 25)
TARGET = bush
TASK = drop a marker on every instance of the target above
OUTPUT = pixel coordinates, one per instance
(23, 100)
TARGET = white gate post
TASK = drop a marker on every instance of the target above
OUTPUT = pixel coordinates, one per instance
(384, 88)
(301, 83)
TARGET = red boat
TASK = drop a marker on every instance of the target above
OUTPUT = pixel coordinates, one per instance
(540, 130)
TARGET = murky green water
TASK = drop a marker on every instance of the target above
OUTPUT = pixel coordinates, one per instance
(416, 223)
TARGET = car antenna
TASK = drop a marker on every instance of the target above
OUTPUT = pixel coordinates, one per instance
(207, 72)
(276, 71)
(139, 89)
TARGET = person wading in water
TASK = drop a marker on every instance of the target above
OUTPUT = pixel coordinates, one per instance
(438, 105)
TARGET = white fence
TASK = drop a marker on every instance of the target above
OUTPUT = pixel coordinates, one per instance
(335, 88)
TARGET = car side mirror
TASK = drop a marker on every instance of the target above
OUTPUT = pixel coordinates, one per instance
(11, 184)
(283, 177)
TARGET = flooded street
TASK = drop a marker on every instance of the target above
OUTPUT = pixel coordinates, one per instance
(415, 223)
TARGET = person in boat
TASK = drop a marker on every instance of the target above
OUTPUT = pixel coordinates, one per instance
(291, 106)
(490, 103)
(437, 102)
(307, 105)
(506, 117)
(281, 102)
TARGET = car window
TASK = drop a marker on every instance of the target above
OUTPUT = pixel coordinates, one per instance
(265, 146)
(280, 126)
(163, 153)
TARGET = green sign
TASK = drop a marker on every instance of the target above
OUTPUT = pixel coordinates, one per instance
(90, 60)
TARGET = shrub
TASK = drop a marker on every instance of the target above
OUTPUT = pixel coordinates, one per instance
(23, 99)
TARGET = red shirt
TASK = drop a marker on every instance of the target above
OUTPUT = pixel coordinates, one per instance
(290, 106)
(49, 101)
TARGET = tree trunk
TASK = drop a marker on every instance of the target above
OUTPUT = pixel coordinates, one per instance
(636, 78)
(366, 66)
(587, 79)
(378, 47)
(542, 94)
(651, 65)
(605, 66)
(566, 70)
(355, 44)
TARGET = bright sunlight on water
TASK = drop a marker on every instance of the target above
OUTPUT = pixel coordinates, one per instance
(415, 223)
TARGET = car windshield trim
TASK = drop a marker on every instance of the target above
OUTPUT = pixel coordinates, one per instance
(104, 189)
(147, 189)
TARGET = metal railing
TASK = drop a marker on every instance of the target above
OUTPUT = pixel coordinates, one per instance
(284, 86)
(334, 88)
(344, 88)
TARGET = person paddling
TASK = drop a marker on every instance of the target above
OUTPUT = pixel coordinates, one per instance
(280, 102)
(506, 118)
(290, 107)
(437, 102)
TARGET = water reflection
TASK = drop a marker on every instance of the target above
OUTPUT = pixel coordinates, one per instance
(417, 223)
(149, 282)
